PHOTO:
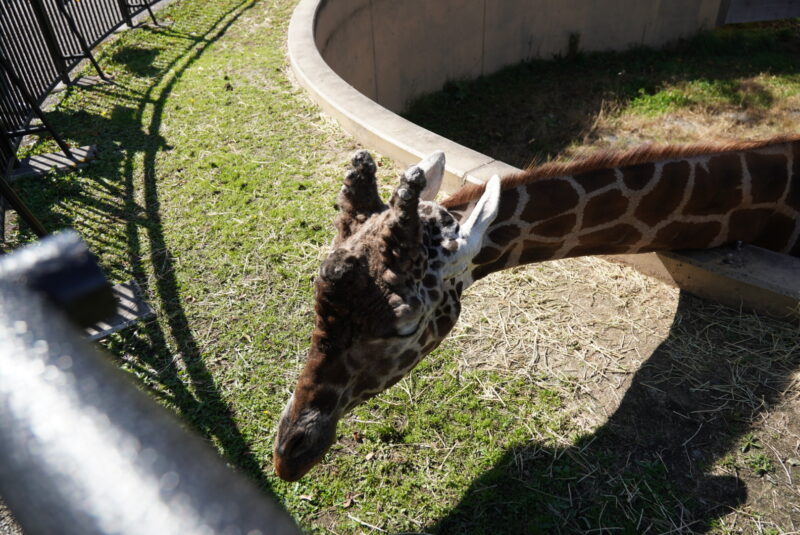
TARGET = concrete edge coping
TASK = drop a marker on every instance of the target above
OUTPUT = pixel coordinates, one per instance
(386, 132)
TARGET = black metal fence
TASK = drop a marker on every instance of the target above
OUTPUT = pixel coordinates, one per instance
(41, 41)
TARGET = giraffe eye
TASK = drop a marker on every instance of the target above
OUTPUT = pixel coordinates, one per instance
(406, 330)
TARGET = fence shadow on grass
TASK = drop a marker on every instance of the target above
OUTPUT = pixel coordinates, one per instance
(120, 214)
(690, 405)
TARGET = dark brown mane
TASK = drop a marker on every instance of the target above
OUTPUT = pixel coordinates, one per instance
(610, 159)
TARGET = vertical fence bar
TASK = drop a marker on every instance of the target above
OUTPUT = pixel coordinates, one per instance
(50, 38)
(29, 100)
(87, 52)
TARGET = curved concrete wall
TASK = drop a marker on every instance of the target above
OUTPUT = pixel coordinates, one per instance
(393, 51)
(361, 59)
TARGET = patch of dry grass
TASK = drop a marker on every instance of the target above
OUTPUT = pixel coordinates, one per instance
(683, 414)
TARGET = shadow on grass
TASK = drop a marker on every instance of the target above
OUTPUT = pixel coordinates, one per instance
(111, 195)
(690, 405)
(533, 111)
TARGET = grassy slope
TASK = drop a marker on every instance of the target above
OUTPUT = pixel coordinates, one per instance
(215, 191)
(736, 83)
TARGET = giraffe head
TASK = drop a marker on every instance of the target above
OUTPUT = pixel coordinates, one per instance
(386, 296)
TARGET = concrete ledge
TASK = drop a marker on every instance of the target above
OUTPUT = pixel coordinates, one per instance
(368, 59)
(41, 164)
(744, 277)
(131, 308)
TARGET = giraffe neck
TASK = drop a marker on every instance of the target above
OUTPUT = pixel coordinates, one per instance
(682, 202)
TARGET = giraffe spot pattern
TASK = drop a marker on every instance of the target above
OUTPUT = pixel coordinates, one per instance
(484, 269)
(535, 251)
(772, 173)
(777, 232)
(549, 198)
(597, 248)
(325, 399)
(746, 224)
(636, 177)
(622, 235)
(333, 370)
(508, 205)
(557, 226)
(504, 234)
(443, 325)
(487, 254)
(683, 235)
(604, 208)
(594, 180)
(718, 190)
(393, 381)
(407, 358)
(667, 194)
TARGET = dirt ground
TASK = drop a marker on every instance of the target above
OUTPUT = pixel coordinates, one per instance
(649, 373)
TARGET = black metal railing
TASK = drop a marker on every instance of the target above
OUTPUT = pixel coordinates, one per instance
(41, 41)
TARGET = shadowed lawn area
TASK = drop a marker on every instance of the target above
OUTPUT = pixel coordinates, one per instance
(573, 396)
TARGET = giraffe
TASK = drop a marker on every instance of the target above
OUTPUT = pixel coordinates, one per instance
(390, 290)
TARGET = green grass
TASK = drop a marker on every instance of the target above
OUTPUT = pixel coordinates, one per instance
(542, 110)
(215, 190)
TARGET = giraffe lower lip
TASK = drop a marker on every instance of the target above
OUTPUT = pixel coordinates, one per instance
(291, 474)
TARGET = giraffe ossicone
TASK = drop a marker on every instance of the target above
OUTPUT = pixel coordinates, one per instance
(389, 292)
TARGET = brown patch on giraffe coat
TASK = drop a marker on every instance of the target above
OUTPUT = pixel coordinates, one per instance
(683, 235)
(776, 233)
(613, 240)
(428, 335)
(507, 206)
(534, 251)
(407, 358)
(384, 366)
(636, 177)
(772, 172)
(393, 381)
(366, 383)
(484, 269)
(594, 180)
(324, 399)
(487, 254)
(604, 208)
(667, 194)
(504, 234)
(549, 198)
(329, 368)
(443, 325)
(558, 226)
(716, 190)
(746, 224)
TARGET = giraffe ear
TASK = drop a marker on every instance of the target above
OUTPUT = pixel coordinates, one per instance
(472, 232)
(358, 198)
(433, 167)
